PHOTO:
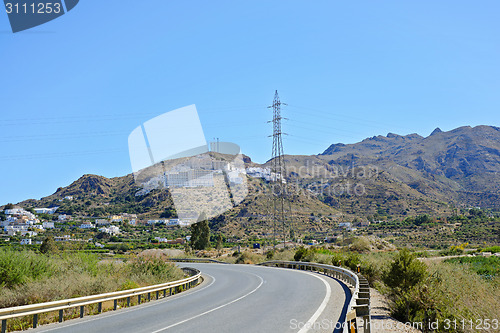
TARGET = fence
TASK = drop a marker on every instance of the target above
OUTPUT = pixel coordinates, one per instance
(36, 309)
(359, 304)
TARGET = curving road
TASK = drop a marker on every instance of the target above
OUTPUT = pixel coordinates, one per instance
(232, 298)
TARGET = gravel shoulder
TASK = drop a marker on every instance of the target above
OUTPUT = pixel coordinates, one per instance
(381, 321)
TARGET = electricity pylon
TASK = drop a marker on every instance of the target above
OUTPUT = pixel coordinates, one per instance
(279, 190)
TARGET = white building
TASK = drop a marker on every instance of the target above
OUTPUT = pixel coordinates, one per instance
(102, 222)
(150, 222)
(161, 239)
(173, 222)
(48, 225)
(18, 212)
(26, 241)
(87, 225)
(264, 173)
(112, 230)
(64, 217)
(46, 210)
(29, 233)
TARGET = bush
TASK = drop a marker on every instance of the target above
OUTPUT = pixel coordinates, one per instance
(18, 268)
(248, 258)
(27, 277)
(269, 254)
(304, 254)
(361, 245)
(404, 272)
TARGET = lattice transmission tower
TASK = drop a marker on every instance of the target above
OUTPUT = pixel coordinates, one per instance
(279, 190)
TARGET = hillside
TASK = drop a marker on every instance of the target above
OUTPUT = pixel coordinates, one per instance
(462, 165)
(392, 176)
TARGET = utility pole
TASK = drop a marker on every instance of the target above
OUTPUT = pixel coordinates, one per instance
(278, 173)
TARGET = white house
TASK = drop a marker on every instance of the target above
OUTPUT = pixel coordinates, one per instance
(29, 233)
(64, 217)
(26, 241)
(173, 222)
(87, 225)
(19, 212)
(48, 225)
(102, 222)
(161, 239)
(112, 230)
(150, 222)
(17, 227)
(345, 224)
(185, 223)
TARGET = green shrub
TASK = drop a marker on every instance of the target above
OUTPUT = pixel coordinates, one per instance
(248, 258)
(269, 254)
(304, 254)
(18, 268)
(488, 267)
(360, 244)
(404, 272)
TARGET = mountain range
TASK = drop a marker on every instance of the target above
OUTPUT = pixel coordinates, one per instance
(460, 166)
(390, 175)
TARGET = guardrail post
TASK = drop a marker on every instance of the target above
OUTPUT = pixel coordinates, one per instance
(61, 316)
(164, 293)
(351, 322)
(115, 303)
(157, 294)
(139, 299)
(4, 325)
(99, 307)
(128, 301)
(149, 297)
(35, 320)
(82, 311)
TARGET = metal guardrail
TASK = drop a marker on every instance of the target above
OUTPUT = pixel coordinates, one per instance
(200, 260)
(359, 305)
(61, 305)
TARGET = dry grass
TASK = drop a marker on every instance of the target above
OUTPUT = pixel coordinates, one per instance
(468, 295)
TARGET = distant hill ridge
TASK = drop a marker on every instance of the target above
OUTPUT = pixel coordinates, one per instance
(464, 162)
(414, 175)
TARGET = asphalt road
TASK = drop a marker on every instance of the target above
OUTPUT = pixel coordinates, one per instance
(232, 299)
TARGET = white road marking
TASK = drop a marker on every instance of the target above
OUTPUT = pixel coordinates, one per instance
(133, 308)
(310, 323)
(214, 309)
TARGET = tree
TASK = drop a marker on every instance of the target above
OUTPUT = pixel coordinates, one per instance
(8, 206)
(49, 245)
(421, 219)
(169, 213)
(404, 272)
(200, 233)
(219, 244)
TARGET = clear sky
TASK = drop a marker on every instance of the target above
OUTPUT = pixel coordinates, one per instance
(73, 89)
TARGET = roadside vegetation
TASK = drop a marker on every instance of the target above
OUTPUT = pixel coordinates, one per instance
(455, 290)
(27, 277)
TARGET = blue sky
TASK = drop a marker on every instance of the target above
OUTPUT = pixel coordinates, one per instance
(73, 89)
